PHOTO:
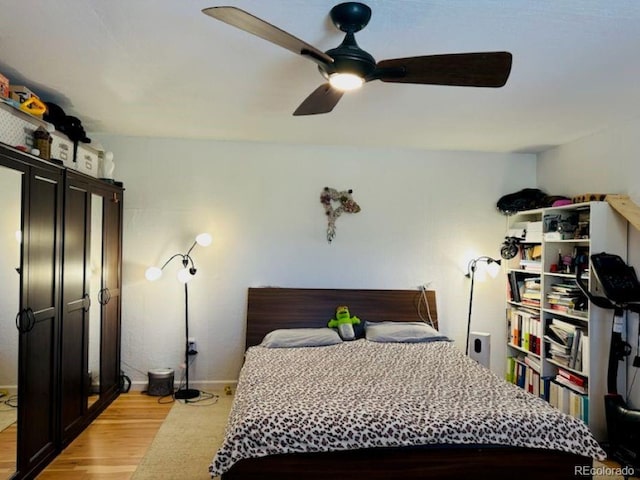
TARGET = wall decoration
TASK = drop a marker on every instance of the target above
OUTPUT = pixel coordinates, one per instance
(335, 203)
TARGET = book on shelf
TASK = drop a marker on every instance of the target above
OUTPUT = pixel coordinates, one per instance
(531, 266)
(568, 383)
(576, 350)
(569, 287)
(511, 368)
(566, 343)
(531, 257)
(585, 353)
(533, 363)
(569, 401)
(563, 331)
(566, 298)
(522, 374)
(524, 329)
(572, 377)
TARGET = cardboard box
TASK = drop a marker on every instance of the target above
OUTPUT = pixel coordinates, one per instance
(4, 86)
(20, 93)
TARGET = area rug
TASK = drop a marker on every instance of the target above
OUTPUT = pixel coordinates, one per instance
(192, 432)
(186, 442)
(7, 417)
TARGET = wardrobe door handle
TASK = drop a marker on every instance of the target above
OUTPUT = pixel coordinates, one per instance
(31, 317)
(19, 317)
(25, 320)
(104, 296)
(86, 302)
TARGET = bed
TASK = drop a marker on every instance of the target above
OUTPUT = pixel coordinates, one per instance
(374, 410)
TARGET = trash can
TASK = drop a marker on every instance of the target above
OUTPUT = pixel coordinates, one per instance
(160, 382)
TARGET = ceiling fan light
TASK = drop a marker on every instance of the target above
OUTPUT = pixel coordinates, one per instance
(345, 81)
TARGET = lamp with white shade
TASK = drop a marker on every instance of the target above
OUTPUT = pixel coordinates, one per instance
(185, 275)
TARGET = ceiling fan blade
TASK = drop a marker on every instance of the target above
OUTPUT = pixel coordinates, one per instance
(485, 69)
(249, 23)
(322, 100)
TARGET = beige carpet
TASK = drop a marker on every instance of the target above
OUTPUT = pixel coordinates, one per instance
(189, 437)
(7, 417)
(186, 442)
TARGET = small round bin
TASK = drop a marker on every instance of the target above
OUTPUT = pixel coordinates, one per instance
(160, 382)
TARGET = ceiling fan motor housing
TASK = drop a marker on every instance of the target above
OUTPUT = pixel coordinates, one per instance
(349, 58)
(349, 17)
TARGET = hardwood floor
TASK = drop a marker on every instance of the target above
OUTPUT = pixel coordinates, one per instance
(8, 451)
(113, 445)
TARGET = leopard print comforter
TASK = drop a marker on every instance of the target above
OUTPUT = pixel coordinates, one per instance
(364, 394)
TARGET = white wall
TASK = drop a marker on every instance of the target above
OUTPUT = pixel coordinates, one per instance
(424, 215)
(607, 162)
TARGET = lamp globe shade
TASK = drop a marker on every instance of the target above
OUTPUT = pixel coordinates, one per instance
(153, 273)
(204, 239)
(493, 268)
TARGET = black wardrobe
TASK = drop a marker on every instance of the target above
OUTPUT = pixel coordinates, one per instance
(63, 274)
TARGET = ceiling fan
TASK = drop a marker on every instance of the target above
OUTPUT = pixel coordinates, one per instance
(348, 67)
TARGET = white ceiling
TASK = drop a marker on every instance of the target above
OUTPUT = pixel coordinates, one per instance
(162, 68)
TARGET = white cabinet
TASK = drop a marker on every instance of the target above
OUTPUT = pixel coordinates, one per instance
(557, 342)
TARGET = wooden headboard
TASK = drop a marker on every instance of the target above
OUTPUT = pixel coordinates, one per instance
(272, 308)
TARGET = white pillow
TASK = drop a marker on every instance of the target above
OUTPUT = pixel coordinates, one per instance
(406, 332)
(301, 337)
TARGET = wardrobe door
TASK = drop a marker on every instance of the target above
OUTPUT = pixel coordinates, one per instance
(39, 320)
(112, 257)
(75, 306)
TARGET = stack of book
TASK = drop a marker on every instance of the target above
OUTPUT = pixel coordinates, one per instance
(531, 257)
(524, 286)
(567, 344)
(577, 383)
(531, 294)
(564, 297)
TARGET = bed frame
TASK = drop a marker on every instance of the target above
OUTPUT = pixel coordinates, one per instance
(271, 308)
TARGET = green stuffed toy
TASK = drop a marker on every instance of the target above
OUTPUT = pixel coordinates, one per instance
(344, 322)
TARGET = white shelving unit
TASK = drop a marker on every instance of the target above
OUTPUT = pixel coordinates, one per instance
(601, 230)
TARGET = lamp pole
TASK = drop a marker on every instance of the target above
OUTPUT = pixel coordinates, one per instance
(186, 393)
(471, 273)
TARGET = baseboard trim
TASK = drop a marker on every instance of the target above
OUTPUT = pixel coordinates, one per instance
(213, 386)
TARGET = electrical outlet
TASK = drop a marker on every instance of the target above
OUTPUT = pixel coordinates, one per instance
(192, 350)
(228, 390)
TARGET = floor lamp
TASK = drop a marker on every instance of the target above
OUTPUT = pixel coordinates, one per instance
(185, 274)
(493, 266)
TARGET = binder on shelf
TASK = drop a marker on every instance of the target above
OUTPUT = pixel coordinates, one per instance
(510, 375)
(524, 329)
(585, 353)
(515, 289)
